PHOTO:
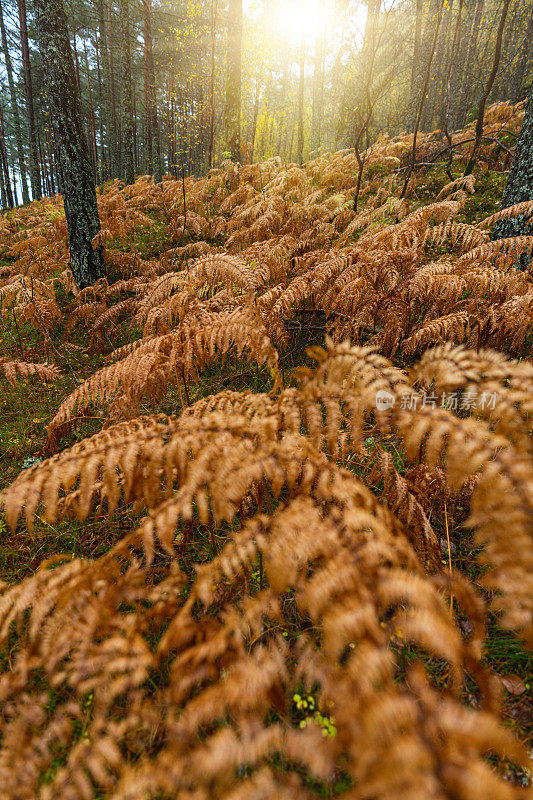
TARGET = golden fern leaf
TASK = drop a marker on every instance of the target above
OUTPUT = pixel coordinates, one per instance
(14, 371)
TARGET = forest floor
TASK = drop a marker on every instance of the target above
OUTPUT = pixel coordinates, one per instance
(71, 344)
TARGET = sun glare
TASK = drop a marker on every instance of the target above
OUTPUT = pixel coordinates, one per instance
(297, 19)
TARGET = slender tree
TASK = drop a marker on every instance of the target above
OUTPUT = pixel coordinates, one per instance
(442, 58)
(423, 60)
(79, 194)
(233, 80)
(108, 110)
(151, 120)
(128, 170)
(3, 196)
(516, 81)
(466, 87)
(318, 82)
(416, 44)
(14, 110)
(212, 38)
(446, 111)
(117, 154)
(488, 87)
(254, 120)
(35, 178)
(5, 162)
(427, 62)
(301, 97)
(171, 122)
(92, 120)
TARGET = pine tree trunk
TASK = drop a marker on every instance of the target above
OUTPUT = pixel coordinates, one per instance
(254, 121)
(488, 88)
(423, 63)
(517, 80)
(3, 197)
(127, 96)
(5, 165)
(79, 195)
(171, 133)
(416, 44)
(108, 91)
(92, 120)
(233, 80)
(499, 91)
(51, 163)
(519, 186)
(117, 149)
(212, 36)
(318, 83)
(437, 86)
(14, 111)
(301, 96)
(462, 110)
(151, 121)
(103, 153)
(446, 111)
(429, 52)
(35, 178)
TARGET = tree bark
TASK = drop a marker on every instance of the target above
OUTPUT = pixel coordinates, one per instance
(108, 109)
(5, 164)
(3, 197)
(116, 151)
(92, 120)
(152, 123)
(519, 186)
(233, 80)
(79, 195)
(14, 111)
(517, 80)
(74, 48)
(35, 178)
(128, 173)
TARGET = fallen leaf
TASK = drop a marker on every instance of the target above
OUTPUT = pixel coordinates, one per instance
(513, 684)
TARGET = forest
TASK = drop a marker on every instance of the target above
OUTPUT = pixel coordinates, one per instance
(266, 399)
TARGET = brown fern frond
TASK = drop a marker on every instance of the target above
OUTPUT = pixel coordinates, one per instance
(14, 371)
(466, 182)
(452, 326)
(353, 575)
(524, 209)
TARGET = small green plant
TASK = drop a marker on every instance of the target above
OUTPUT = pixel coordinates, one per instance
(306, 705)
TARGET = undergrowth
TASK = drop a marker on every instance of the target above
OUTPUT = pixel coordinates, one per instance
(268, 488)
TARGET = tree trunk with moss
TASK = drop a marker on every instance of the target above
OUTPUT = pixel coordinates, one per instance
(79, 194)
(519, 187)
